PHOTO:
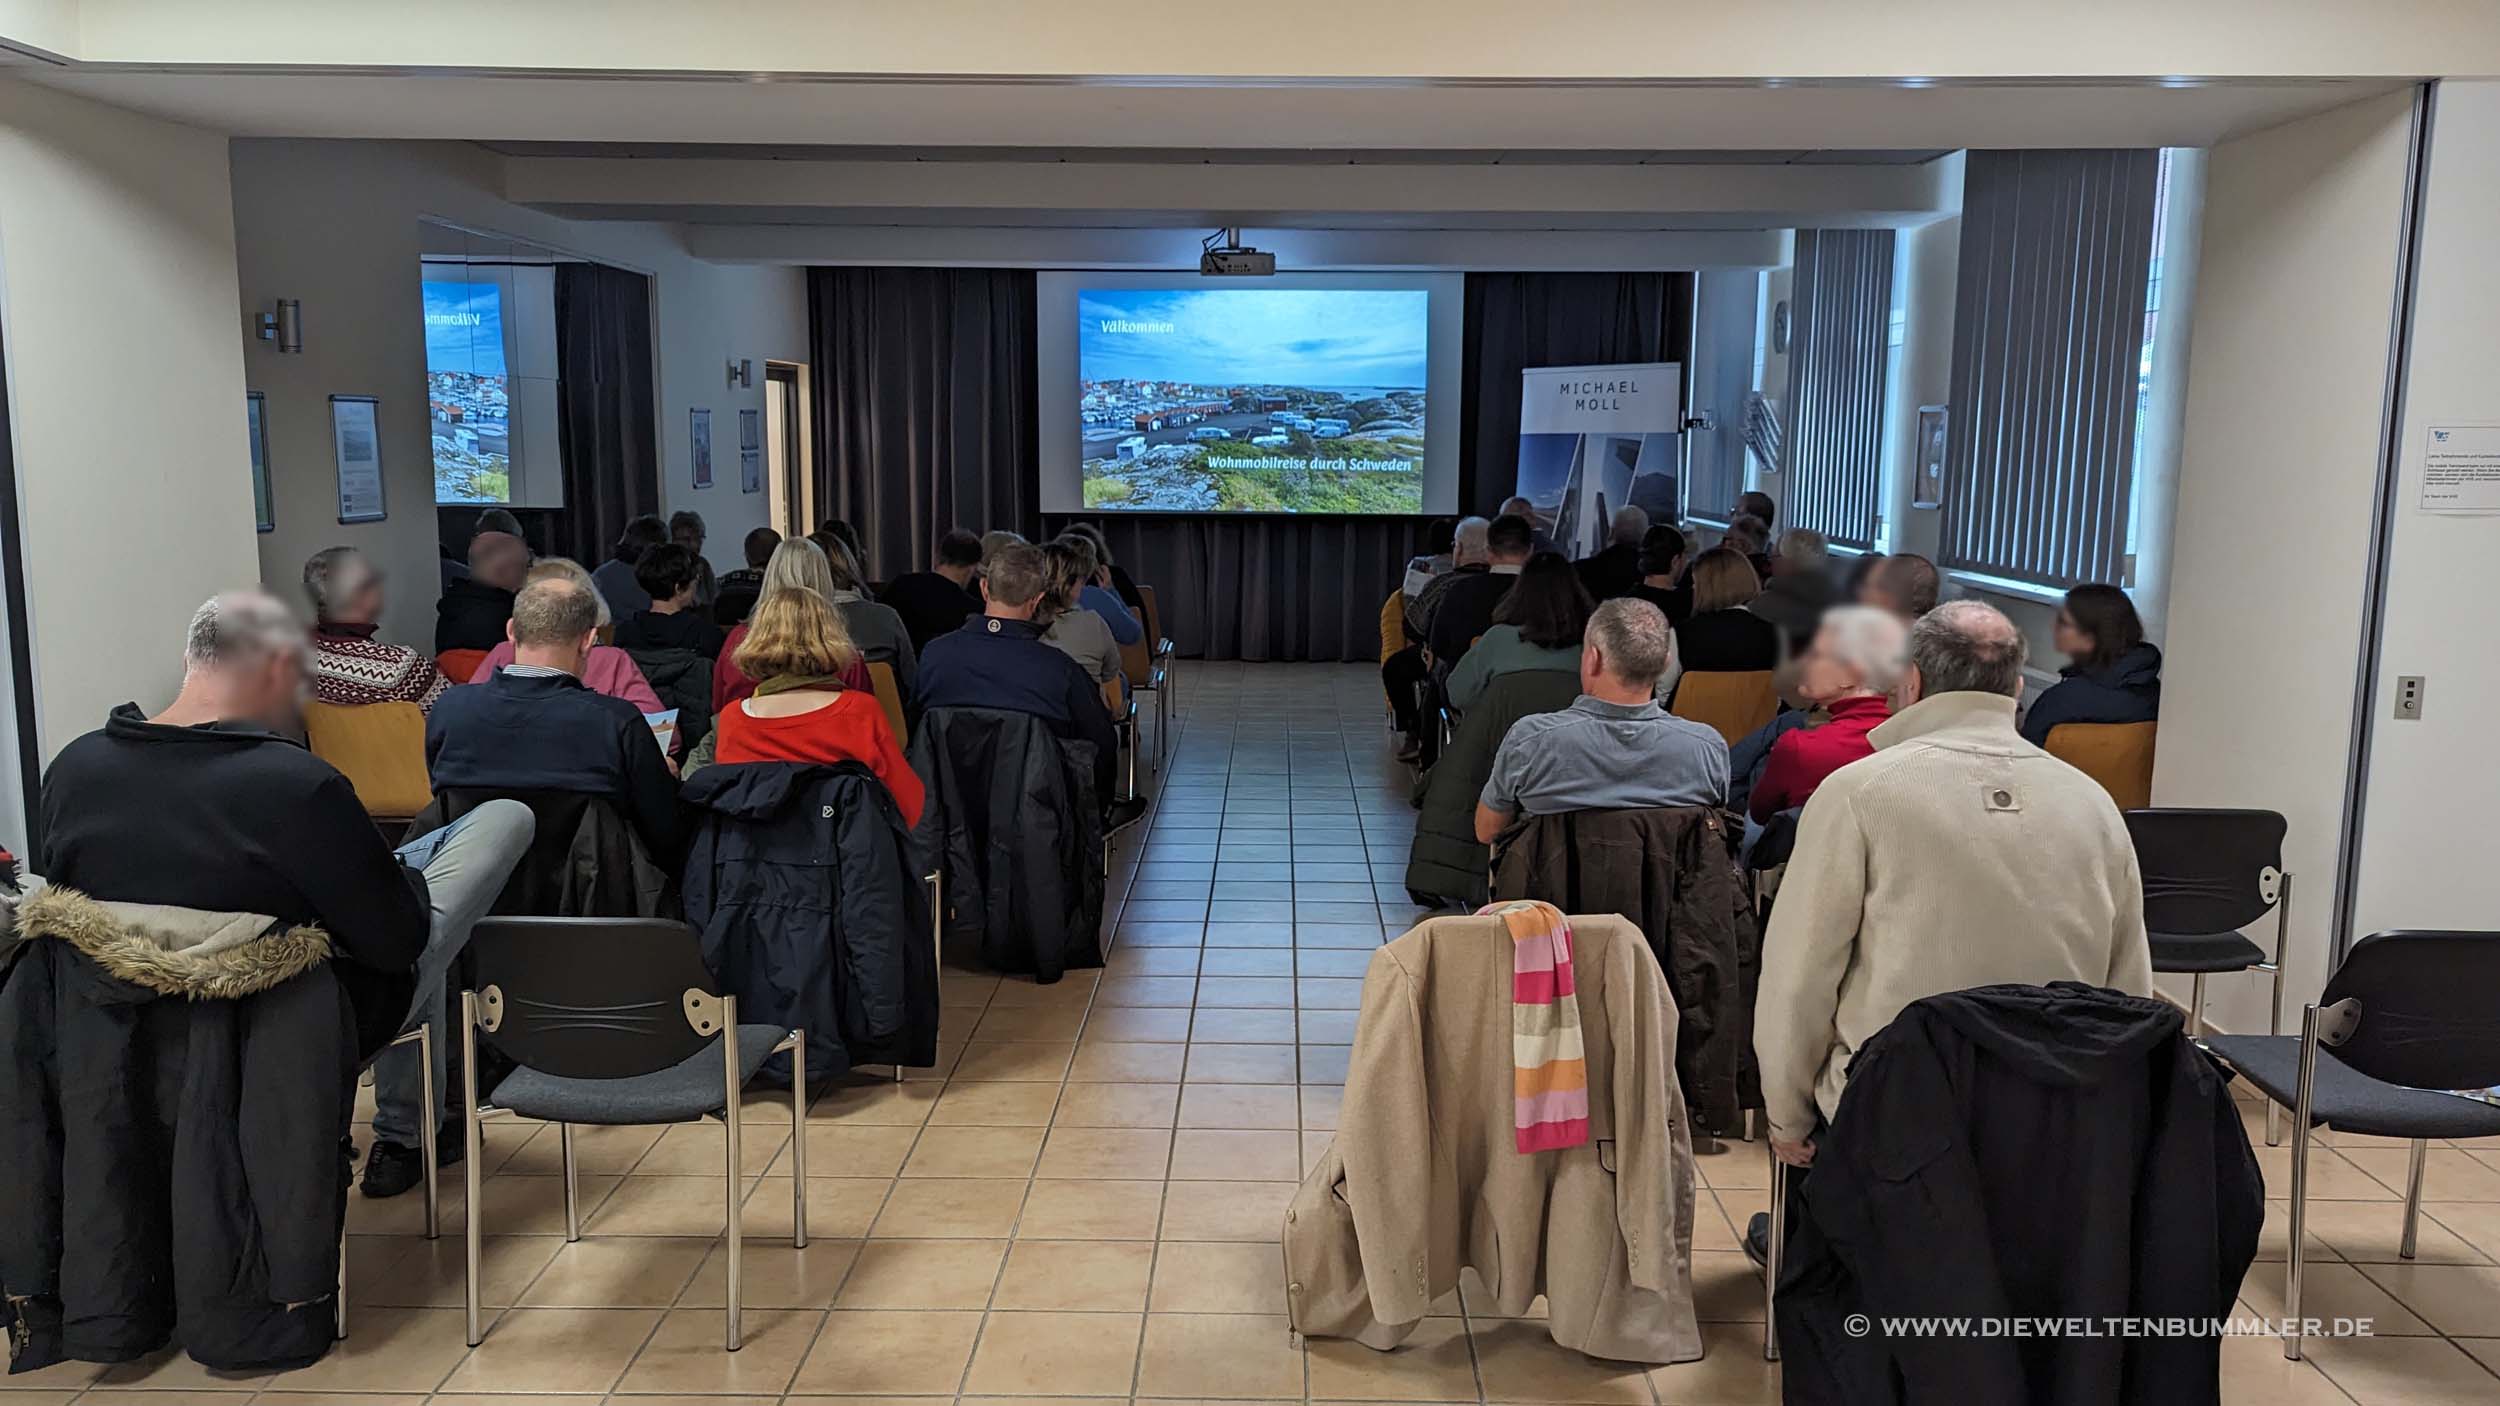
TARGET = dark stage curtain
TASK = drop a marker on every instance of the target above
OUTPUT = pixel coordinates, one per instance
(606, 409)
(1262, 588)
(926, 405)
(1519, 320)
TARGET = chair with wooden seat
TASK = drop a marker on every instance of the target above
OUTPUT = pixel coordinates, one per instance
(1392, 624)
(889, 693)
(460, 665)
(1145, 675)
(2118, 755)
(1157, 676)
(1122, 707)
(1733, 702)
(380, 748)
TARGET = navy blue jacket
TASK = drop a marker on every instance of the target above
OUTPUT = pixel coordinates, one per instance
(2126, 690)
(994, 663)
(521, 732)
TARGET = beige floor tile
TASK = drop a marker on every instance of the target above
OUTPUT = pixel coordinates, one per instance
(900, 1353)
(1136, 1024)
(1105, 1153)
(1200, 1154)
(2477, 1223)
(1091, 1354)
(519, 1205)
(555, 1349)
(1273, 1106)
(944, 1208)
(1247, 961)
(388, 1349)
(1737, 1165)
(2394, 1371)
(923, 1274)
(995, 1105)
(2462, 1301)
(2331, 1176)
(1240, 1064)
(657, 1205)
(1731, 1372)
(2483, 1350)
(618, 1272)
(1094, 1276)
(1243, 1026)
(1073, 989)
(877, 1102)
(1020, 1061)
(50, 1397)
(611, 1151)
(1124, 1062)
(208, 1395)
(1433, 1364)
(1726, 1287)
(435, 1273)
(855, 1150)
(1117, 1105)
(2275, 1237)
(975, 1152)
(1216, 1354)
(957, 987)
(688, 1355)
(1152, 961)
(2447, 1174)
(2331, 1291)
(773, 1275)
(1091, 1210)
(370, 1398)
(1178, 991)
(702, 1149)
(1052, 1022)
(1274, 992)
(2255, 1373)
(1213, 1277)
(1226, 1210)
(2370, 1231)
(838, 1208)
(1520, 1362)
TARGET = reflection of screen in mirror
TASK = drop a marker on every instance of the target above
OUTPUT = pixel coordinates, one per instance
(468, 391)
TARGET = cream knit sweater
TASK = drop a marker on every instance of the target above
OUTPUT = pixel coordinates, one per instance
(1958, 855)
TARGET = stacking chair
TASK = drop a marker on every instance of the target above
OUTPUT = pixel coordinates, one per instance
(615, 1021)
(2118, 755)
(2405, 1019)
(429, 1157)
(1392, 634)
(889, 697)
(1733, 702)
(380, 748)
(459, 665)
(2208, 874)
(1145, 675)
(1161, 647)
(1117, 701)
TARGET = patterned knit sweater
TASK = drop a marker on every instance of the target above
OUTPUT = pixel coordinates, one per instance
(351, 667)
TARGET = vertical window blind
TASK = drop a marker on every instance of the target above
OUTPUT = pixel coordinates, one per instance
(1840, 318)
(2048, 331)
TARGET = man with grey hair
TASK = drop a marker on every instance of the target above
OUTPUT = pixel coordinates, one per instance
(1800, 588)
(1614, 748)
(1957, 855)
(1615, 569)
(349, 667)
(211, 805)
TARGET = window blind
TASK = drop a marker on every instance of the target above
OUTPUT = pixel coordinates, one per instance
(1840, 317)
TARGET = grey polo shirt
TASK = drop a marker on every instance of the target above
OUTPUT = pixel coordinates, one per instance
(1596, 755)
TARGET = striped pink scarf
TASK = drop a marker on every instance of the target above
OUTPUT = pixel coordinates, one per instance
(1549, 1071)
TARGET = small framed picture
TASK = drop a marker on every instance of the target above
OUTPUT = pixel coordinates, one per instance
(256, 414)
(750, 451)
(356, 439)
(699, 434)
(1928, 490)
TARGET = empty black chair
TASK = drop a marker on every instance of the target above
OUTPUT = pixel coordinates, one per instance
(2208, 874)
(615, 1021)
(2408, 1017)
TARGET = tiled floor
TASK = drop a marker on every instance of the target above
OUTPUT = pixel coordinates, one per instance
(1084, 1201)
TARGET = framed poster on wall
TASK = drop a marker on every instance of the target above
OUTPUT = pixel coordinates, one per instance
(699, 435)
(256, 415)
(356, 440)
(750, 450)
(1928, 489)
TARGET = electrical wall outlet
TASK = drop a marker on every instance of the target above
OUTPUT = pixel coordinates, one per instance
(2408, 698)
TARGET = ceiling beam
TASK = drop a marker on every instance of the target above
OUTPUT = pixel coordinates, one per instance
(1298, 250)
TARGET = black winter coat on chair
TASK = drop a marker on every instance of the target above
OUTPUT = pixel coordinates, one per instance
(801, 882)
(1014, 827)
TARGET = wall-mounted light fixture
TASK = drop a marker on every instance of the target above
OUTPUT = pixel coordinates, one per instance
(741, 374)
(284, 325)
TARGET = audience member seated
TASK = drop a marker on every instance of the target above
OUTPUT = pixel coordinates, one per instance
(211, 805)
(1114, 576)
(1958, 855)
(1663, 582)
(1752, 536)
(670, 575)
(614, 578)
(1616, 568)
(1519, 507)
(840, 530)
(796, 648)
(349, 666)
(1721, 636)
(876, 631)
(1614, 748)
(610, 670)
(796, 565)
(1098, 597)
(1465, 609)
(935, 601)
(1538, 625)
(1862, 570)
(1075, 631)
(536, 726)
(996, 540)
(473, 610)
(1437, 558)
(997, 659)
(455, 563)
(2112, 674)
(1848, 673)
(740, 589)
(1800, 588)
(1764, 512)
(1470, 555)
(1404, 675)
(1905, 584)
(686, 529)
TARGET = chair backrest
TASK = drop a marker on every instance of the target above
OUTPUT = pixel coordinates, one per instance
(2426, 1014)
(607, 634)
(1154, 616)
(889, 697)
(460, 665)
(1137, 663)
(2118, 755)
(1733, 702)
(594, 998)
(380, 748)
(1392, 624)
(2207, 871)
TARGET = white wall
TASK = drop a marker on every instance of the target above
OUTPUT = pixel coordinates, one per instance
(336, 225)
(2297, 285)
(126, 389)
(2425, 859)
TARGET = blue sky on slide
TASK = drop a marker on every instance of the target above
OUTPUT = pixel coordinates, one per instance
(464, 327)
(1283, 336)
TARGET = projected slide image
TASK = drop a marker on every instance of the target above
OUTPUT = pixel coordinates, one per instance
(468, 392)
(1253, 400)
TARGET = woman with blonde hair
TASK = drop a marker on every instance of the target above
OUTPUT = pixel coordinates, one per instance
(1075, 631)
(1721, 636)
(609, 669)
(797, 650)
(796, 565)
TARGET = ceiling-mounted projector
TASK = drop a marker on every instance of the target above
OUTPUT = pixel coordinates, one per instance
(1223, 255)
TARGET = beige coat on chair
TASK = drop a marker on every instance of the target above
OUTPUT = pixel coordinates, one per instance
(1424, 1178)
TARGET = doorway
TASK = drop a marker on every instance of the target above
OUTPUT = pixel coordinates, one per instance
(786, 465)
(21, 763)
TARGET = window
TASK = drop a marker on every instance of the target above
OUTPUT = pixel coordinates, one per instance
(2052, 326)
(1839, 354)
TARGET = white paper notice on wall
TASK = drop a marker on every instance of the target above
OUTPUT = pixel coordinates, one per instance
(2461, 469)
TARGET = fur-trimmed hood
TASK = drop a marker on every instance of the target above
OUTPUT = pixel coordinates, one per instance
(176, 951)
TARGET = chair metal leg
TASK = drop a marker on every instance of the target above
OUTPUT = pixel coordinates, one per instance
(2413, 1198)
(572, 1195)
(2274, 1014)
(733, 1094)
(1771, 1260)
(2196, 1006)
(798, 1138)
(474, 1213)
(2293, 1255)
(428, 1134)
